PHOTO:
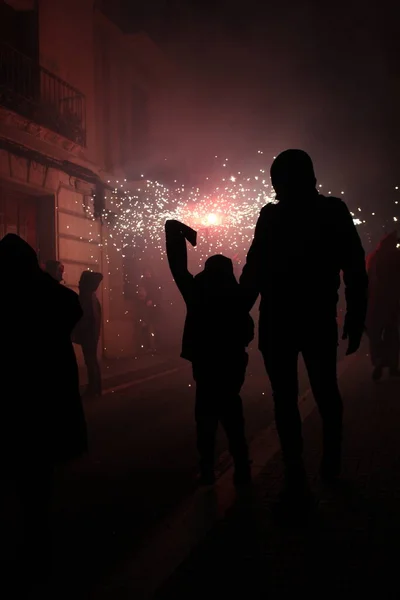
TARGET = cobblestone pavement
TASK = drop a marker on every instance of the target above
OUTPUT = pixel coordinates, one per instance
(349, 548)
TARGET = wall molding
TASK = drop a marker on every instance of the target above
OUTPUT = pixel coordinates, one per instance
(12, 119)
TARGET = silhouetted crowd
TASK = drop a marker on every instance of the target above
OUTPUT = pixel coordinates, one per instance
(303, 244)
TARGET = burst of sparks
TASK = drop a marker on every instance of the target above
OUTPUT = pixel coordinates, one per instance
(230, 209)
(225, 215)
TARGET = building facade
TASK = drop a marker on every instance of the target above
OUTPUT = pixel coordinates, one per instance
(81, 104)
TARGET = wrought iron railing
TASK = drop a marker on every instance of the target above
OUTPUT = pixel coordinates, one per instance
(33, 92)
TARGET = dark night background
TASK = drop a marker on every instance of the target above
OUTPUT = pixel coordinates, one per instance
(317, 75)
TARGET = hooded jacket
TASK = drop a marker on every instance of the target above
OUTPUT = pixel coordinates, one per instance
(88, 330)
(301, 245)
(42, 414)
(217, 325)
(383, 266)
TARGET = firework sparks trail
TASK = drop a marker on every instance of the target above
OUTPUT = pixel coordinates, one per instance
(230, 210)
(225, 214)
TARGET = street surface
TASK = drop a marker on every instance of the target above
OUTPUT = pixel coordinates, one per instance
(142, 464)
(347, 547)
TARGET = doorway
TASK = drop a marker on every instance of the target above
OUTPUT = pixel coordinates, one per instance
(18, 214)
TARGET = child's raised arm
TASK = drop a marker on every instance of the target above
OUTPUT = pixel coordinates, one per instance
(176, 234)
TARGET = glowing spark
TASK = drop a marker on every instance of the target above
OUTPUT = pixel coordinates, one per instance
(229, 206)
(212, 219)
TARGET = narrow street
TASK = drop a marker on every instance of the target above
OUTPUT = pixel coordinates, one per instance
(142, 464)
(347, 547)
(141, 468)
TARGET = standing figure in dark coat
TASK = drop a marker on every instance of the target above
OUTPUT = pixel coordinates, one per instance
(87, 334)
(42, 422)
(301, 244)
(216, 333)
(383, 266)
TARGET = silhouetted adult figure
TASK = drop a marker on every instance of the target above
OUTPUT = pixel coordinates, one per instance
(42, 422)
(301, 244)
(87, 333)
(383, 266)
(216, 333)
(56, 269)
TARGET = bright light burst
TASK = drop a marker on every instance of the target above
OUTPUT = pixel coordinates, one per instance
(225, 216)
(212, 219)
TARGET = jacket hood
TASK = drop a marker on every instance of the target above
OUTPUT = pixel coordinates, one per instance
(385, 249)
(17, 256)
(218, 273)
(90, 281)
(292, 174)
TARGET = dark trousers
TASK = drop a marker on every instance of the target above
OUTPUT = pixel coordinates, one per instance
(93, 368)
(384, 345)
(218, 400)
(319, 350)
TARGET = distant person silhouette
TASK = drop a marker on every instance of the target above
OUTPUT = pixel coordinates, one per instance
(383, 266)
(216, 333)
(301, 244)
(42, 422)
(87, 333)
(56, 269)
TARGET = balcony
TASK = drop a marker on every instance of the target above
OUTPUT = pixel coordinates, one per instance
(36, 94)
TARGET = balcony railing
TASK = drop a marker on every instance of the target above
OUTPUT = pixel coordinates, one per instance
(33, 92)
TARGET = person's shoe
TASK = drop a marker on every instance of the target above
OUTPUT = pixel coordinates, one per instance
(394, 372)
(377, 373)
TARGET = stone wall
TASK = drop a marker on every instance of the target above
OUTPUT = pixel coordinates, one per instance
(77, 240)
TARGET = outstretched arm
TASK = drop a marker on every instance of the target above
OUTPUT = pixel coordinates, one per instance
(176, 234)
(250, 278)
(355, 280)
